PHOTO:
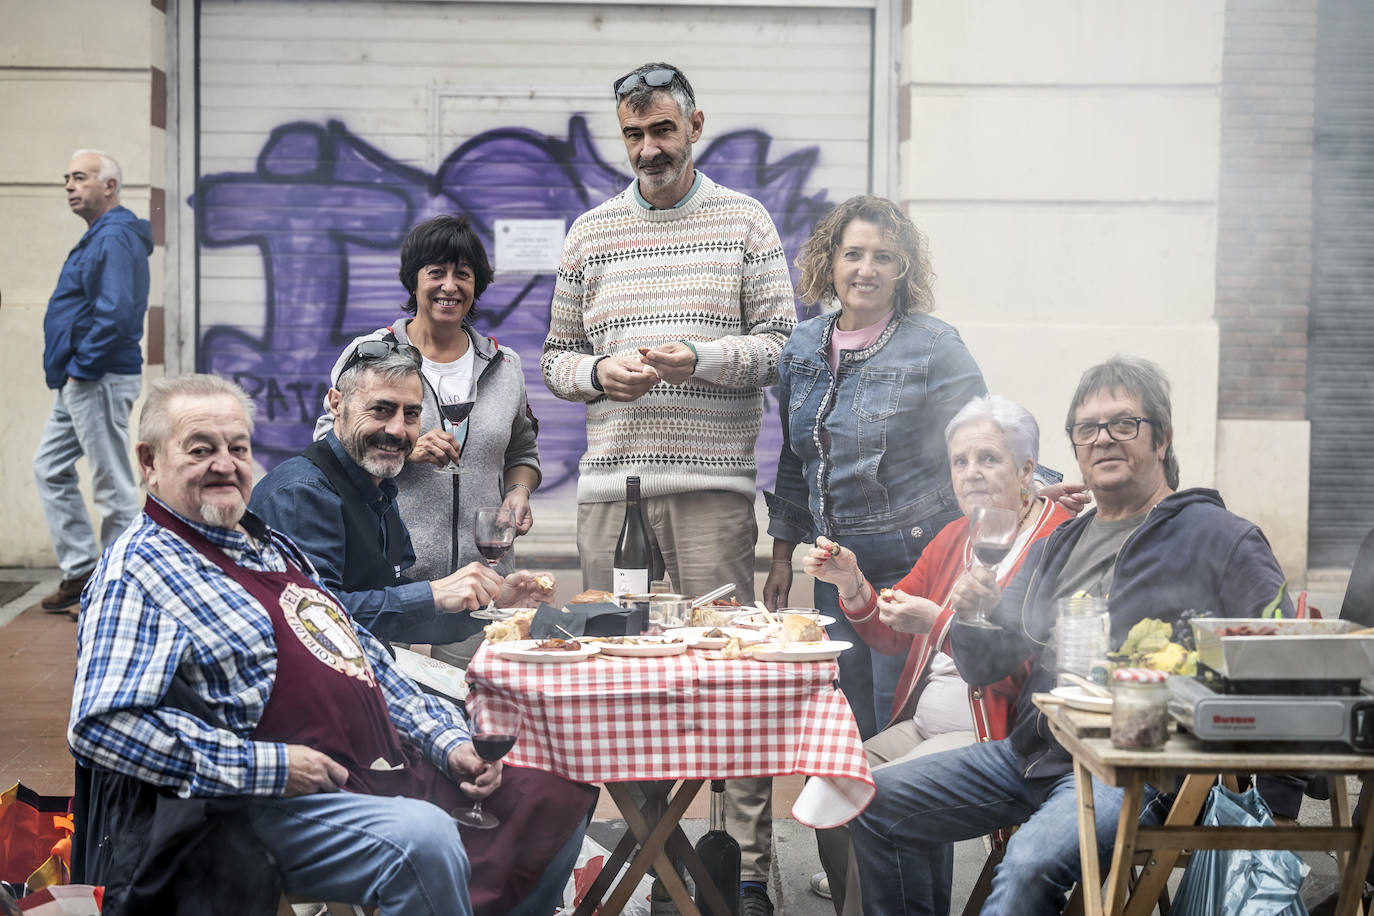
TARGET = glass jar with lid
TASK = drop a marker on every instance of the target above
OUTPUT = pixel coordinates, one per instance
(1140, 715)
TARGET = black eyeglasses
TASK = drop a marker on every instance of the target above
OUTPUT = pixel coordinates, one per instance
(654, 79)
(1120, 429)
(378, 349)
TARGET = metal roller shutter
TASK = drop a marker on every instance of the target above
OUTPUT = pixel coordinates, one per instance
(326, 130)
(1341, 344)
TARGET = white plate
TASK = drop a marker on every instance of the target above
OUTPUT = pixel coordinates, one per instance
(1078, 698)
(822, 620)
(523, 650)
(658, 648)
(801, 651)
(496, 613)
(694, 635)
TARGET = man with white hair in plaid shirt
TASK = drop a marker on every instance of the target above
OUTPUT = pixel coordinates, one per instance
(212, 664)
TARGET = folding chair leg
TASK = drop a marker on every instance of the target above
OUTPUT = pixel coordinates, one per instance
(983, 886)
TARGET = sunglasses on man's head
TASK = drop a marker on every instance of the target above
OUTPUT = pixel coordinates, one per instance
(654, 79)
(378, 349)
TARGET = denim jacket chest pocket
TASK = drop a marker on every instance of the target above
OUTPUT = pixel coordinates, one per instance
(879, 392)
(802, 377)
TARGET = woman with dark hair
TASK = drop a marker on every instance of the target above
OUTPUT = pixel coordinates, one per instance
(866, 391)
(445, 269)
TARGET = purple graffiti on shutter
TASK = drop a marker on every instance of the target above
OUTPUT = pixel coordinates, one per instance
(327, 212)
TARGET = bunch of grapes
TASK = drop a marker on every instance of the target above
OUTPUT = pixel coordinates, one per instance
(1183, 628)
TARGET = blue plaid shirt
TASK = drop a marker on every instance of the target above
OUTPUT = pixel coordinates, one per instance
(156, 609)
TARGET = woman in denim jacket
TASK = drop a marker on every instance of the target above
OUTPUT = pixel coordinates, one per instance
(866, 393)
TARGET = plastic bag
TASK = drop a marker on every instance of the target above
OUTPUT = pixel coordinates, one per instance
(1240, 882)
(68, 900)
(30, 826)
(589, 861)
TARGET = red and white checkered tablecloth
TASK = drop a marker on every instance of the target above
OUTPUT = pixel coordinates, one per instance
(681, 717)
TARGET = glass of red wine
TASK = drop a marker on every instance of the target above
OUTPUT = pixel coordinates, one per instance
(992, 533)
(455, 403)
(495, 533)
(495, 723)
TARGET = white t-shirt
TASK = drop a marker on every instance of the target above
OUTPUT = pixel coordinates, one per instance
(460, 370)
(943, 706)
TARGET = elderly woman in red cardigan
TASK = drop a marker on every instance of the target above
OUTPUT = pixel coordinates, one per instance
(993, 445)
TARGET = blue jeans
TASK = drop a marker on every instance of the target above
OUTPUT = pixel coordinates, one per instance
(89, 418)
(868, 678)
(401, 855)
(926, 803)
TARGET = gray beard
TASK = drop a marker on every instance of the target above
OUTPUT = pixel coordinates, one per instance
(383, 468)
(222, 516)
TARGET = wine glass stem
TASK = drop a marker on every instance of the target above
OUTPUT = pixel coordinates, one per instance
(491, 605)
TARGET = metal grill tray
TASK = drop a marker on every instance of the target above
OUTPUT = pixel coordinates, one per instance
(1303, 649)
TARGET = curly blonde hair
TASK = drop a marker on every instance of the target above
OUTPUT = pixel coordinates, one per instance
(816, 261)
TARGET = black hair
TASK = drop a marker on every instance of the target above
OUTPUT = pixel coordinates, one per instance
(444, 240)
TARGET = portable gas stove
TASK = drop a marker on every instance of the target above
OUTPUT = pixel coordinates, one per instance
(1279, 681)
(1334, 712)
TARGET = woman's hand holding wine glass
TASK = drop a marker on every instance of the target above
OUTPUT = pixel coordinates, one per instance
(455, 404)
(436, 447)
(992, 533)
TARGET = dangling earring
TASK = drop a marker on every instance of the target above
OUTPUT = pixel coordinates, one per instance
(1025, 495)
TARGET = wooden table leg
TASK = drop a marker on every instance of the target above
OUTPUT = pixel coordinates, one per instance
(651, 843)
(1340, 812)
(681, 850)
(1123, 854)
(1153, 877)
(609, 869)
(1087, 841)
(1352, 876)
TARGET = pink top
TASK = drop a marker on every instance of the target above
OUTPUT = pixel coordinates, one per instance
(854, 340)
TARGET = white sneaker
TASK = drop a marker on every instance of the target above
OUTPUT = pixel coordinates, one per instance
(820, 885)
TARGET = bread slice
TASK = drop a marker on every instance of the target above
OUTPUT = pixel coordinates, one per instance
(797, 628)
(517, 627)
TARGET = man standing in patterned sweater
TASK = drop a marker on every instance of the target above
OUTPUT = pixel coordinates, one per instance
(672, 305)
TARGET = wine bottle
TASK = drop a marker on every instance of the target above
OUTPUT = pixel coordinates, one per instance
(632, 554)
(719, 853)
(660, 903)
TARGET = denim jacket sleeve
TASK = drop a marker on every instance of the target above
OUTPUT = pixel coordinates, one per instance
(955, 378)
(789, 518)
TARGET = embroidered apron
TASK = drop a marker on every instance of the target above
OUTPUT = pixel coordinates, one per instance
(326, 696)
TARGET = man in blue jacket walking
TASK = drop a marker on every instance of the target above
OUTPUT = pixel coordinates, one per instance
(92, 359)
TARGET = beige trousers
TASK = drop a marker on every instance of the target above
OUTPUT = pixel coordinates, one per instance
(895, 744)
(707, 539)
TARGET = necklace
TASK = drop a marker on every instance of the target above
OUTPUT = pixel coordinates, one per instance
(1025, 515)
